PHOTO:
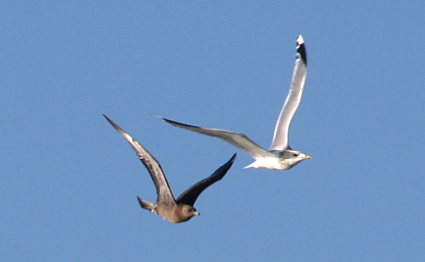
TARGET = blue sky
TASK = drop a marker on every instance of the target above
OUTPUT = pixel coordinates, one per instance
(69, 181)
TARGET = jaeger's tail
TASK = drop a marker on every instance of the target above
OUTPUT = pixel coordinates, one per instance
(145, 204)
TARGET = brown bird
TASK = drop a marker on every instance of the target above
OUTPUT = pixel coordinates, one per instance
(171, 210)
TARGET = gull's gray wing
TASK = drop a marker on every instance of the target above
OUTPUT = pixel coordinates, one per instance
(190, 195)
(237, 139)
(280, 136)
(162, 188)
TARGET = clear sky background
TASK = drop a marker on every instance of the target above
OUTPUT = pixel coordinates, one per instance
(69, 181)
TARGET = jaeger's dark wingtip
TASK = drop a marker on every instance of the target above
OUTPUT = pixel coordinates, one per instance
(233, 158)
(229, 163)
(140, 201)
(117, 127)
(109, 120)
(301, 48)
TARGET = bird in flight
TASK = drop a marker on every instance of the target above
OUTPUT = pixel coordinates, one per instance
(280, 156)
(170, 209)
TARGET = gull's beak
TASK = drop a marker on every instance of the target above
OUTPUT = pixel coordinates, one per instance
(307, 157)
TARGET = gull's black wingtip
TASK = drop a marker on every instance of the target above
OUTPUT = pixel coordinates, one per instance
(164, 119)
(169, 121)
(300, 39)
(301, 48)
(177, 124)
(159, 117)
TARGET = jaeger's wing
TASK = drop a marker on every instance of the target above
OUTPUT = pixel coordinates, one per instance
(163, 190)
(190, 195)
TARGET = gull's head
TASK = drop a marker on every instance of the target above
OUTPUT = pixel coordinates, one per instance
(304, 156)
(293, 157)
(287, 154)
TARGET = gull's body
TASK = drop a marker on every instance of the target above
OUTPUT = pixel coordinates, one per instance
(280, 156)
(171, 210)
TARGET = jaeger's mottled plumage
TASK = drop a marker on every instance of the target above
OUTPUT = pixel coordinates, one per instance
(166, 206)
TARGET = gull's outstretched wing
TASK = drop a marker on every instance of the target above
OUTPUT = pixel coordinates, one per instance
(280, 136)
(237, 139)
(162, 188)
(190, 195)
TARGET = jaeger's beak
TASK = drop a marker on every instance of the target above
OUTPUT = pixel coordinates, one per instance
(197, 213)
(308, 157)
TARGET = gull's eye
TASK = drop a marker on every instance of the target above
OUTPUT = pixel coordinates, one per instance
(296, 154)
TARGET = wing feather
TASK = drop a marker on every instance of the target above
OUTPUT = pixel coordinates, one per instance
(163, 190)
(280, 136)
(190, 195)
(237, 139)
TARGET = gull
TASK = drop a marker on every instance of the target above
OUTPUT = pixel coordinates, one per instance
(170, 209)
(280, 156)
